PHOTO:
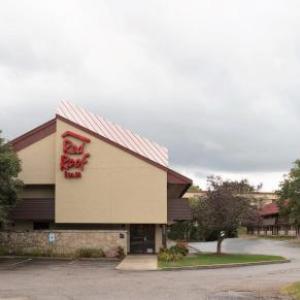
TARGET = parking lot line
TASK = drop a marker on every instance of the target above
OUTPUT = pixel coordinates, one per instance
(16, 263)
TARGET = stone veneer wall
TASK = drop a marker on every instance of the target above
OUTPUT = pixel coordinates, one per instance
(65, 242)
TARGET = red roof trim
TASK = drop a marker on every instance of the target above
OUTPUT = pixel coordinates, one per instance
(269, 209)
(34, 135)
(177, 178)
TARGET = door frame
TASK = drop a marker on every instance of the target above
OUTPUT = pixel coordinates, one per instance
(153, 242)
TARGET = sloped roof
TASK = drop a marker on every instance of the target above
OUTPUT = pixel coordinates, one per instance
(108, 131)
(114, 133)
(269, 209)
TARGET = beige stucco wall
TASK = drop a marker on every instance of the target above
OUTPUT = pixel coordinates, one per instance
(38, 161)
(115, 187)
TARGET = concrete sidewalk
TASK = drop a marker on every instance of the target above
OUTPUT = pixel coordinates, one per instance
(138, 263)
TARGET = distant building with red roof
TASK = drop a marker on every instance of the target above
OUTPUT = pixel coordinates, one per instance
(269, 210)
(272, 223)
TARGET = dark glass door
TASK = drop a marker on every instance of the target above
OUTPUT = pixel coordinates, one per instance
(142, 239)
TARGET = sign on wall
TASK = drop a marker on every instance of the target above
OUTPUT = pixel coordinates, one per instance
(74, 157)
(51, 237)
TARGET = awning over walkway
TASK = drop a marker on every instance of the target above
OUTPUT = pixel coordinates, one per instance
(177, 184)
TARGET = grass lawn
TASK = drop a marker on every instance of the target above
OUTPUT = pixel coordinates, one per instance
(214, 259)
(293, 290)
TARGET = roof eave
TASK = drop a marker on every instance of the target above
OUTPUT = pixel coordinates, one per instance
(180, 179)
(33, 135)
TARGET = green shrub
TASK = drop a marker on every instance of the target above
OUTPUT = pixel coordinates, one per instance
(180, 247)
(168, 255)
(90, 252)
(182, 230)
(165, 256)
(189, 231)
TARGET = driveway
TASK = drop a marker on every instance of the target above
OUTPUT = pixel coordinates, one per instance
(254, 245)
(49, 280)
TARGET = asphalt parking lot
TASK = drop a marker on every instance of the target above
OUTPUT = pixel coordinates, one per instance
(41, 279)
(16, 264)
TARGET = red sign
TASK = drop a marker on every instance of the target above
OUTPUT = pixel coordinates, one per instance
(74, 158)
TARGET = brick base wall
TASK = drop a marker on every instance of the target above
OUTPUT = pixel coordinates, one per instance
(64, 242)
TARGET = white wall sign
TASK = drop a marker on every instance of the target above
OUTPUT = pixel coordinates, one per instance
(51, 237)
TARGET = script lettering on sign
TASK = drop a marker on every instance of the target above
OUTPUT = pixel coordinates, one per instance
(74, 157)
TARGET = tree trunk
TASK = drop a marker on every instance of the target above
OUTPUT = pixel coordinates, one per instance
(219, 245)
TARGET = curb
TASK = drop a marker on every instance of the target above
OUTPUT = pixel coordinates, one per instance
(37, 257)
(61, 258)
(98, 259)
(225, 266)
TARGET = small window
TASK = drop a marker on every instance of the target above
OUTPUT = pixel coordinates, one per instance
(41, 225)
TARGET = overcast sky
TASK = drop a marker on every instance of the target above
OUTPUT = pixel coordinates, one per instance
(217, 82)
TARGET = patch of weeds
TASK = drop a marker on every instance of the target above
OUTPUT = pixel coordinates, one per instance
(90, 253)
(292, 290)
(3, 251)
(36, 253)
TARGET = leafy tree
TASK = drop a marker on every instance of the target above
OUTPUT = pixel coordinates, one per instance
(225, 207)
(194, 189)
(182, 230)
(9, 184)
(289, 195)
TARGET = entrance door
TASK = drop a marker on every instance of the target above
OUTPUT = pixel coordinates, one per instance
(142, 238)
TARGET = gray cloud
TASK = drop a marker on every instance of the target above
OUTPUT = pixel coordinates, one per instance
(216, 82)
